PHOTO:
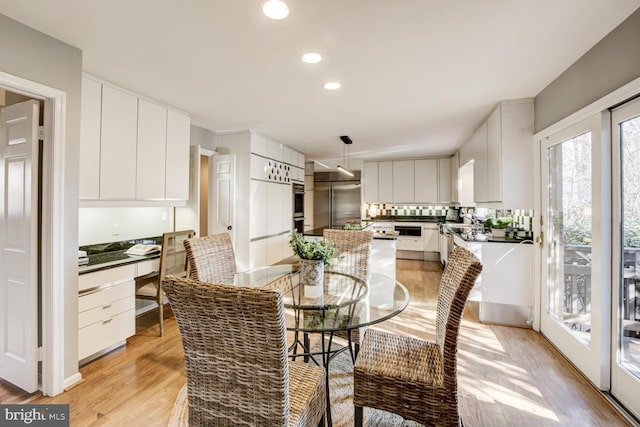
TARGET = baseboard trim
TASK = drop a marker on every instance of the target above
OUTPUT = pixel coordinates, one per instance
(72, 381)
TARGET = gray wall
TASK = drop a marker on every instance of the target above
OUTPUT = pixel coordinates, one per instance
(204, 137)
(610, 64)
(34, 56)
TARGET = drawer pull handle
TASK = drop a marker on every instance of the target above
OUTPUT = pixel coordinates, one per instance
(104, 307)
(106, 321)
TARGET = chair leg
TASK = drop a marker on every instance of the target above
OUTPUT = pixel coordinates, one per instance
(307, 347)
(321, 423)
(357, 416)
(161, 311)
(356, 349)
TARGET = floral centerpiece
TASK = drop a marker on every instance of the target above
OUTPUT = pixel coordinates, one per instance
(314, 255)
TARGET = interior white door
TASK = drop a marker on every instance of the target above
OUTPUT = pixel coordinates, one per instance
(223, 219)
(575, 297)
(625, 322)
(19, 245)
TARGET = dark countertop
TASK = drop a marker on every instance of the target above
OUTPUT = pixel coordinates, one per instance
(109, 255)
(435, 219)
(114, 259)
(317, 232)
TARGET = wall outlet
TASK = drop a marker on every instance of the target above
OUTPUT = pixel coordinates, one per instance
(115, 230)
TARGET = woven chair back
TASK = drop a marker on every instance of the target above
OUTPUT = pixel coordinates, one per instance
(354, 250)
(235, 350)
(211, 258)
(173, 257)
(458, 278)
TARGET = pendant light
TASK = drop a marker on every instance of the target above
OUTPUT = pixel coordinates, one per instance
(345, 156)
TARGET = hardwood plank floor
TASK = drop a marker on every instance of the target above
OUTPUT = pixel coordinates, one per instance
(507, 376)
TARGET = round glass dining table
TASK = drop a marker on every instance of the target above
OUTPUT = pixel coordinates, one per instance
(343, 303)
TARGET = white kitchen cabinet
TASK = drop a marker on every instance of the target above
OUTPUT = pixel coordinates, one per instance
(431, 238)
(444, 181)
(177, 162)
(479, 149)
(106, 309)
(275, 150)
(455, 165)
(258, 223)
(370, 182)
(259, 167)
(91, 112)
(287, 208)
(274, 249)
(385, 182)
(131, 148)
(426, 181)
(118, 139)
(258, 253)
(403, 181)
(151, 151)
(502, 151)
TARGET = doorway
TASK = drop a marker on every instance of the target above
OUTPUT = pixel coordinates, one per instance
(51, 249)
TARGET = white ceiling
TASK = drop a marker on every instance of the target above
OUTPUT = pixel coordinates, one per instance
(418, 76)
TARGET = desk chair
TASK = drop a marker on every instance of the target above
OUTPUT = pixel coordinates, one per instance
(173, 261)
(211, 258)
(235, 349)
(413, 378)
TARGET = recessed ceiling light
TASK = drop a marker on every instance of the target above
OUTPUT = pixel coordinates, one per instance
(332, 85)
(311, 58)
(275, 9)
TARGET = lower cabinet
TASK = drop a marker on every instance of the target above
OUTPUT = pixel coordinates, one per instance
(106, 308)
(106, 317)
(269, 250)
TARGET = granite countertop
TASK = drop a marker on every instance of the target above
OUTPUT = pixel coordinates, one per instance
(487, 237)
(435, 219)
(109, 255)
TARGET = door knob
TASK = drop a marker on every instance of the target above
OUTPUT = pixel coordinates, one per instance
(229, 227)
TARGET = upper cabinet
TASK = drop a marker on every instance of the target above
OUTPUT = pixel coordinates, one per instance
(131, 148)
(502, 151)
(424, 181)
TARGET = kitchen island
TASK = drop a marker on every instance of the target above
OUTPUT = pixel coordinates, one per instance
(383, 248)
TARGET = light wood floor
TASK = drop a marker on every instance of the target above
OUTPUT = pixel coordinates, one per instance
(507, 376)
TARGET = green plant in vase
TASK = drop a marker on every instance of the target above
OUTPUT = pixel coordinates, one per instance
(314, 255)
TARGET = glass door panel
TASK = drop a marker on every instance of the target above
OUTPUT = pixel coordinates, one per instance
(574, 295)
(625, 370)
(569, 235)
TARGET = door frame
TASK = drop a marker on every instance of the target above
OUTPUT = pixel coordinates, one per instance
(52, 232)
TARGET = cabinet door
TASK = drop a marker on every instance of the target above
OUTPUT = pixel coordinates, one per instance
(480, 191)
(370, 182)
(426, 181)
(455, 165)
(258, 200)
(275, 208)
(118, 144)
(275, 150)
(274, 249)
(151, 151)
(177, 165)
(385, 182)
(403, 181)
(431, 239)
(91, 110)
(258, 254)
(494, 156)
(444, 181)
(259, 144)
(287, 208)
(507, 275)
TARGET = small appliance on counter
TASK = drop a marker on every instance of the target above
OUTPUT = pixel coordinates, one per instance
(453, 215)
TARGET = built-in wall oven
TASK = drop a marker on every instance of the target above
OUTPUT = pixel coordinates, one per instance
(298, 207)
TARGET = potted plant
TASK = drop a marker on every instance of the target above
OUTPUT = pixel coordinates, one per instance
(498, 225)
(314, 255)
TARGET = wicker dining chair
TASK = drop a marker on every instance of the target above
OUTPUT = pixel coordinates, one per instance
(211, 258)
(353, 256)
(413, 378)
(235, 350)
(173, 260)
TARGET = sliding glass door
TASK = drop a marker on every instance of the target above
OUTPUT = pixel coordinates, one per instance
(625, 345)
(574, 295)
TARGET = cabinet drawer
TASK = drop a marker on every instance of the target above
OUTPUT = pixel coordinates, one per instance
(110, 276)
(98, 336)
(409, 244)
(106, 311)
(146, 267)
(106, 296)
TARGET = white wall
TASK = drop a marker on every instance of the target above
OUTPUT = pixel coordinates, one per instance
(32, 55)
(95, 225)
